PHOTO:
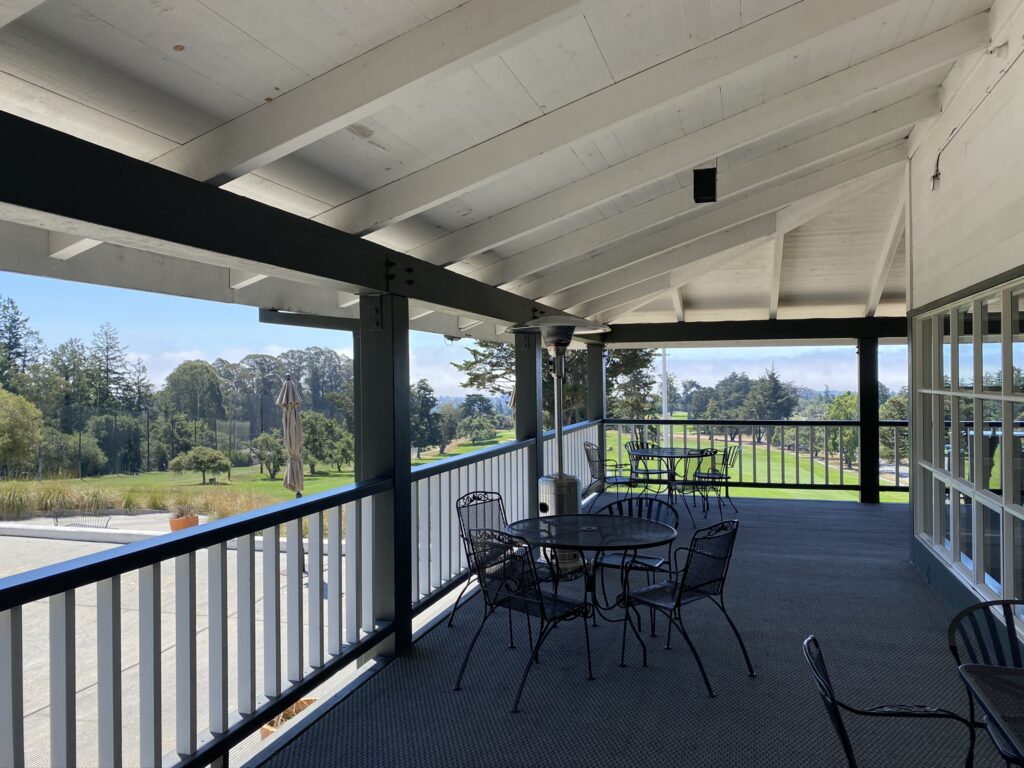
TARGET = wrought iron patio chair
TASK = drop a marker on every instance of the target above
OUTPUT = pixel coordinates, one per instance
(701, 577)
(978, 636)
(695, 466)
(507, 572)
(604, 473)
(716, 478)
(834, 707)
(647, 508)
(486, 509)
(643, 471)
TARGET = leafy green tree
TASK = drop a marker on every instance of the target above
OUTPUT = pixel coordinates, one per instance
(844, 407)
(318, 434)
(202, 460)
(20, 345)
(342, 450)
(62, 455)
(479, 428)
(194, 389)
(423, 430)
(268, 450)
(474, 404)
(888, 449)
(21, 432)
(448, 417)
(630, 381)
(769, 398)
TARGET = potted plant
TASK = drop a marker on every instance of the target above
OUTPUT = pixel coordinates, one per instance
(183, 514)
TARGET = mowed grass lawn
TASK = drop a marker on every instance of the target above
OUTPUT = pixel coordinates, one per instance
(784, 468)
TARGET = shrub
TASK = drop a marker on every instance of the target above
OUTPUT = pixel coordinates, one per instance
(156, 498)
(54, 497)
(183, 505)
(16, 501)
(96, 499)
(130, 500)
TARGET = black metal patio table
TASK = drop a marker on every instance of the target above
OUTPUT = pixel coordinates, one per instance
(671, 456)
(587, 534)
(1000, 692)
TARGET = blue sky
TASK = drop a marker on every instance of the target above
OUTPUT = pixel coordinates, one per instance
(165, 330)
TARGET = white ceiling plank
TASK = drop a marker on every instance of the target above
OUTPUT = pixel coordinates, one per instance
(358, 88)
(809, 208)
(624, 100)
(857, 82)
(655, 286)
(624, 259)
(893, 235)
(694, 252)
(776, 278)
(789, 159)
(64, 247)
(11, 10)
(616, 314)
(677, 304)
(240, 278)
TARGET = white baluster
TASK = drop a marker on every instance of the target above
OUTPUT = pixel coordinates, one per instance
(108, 670)
(151, 750)
(293, 589)
(315, 588)
(12, 702)
(62, 679)
(335, 628)
(271, 612)
(246, 589)
(217, 586)
(185, 653)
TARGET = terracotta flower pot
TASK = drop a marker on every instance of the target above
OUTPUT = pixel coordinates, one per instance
(178, 523)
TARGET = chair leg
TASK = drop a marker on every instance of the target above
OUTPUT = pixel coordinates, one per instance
(729, 498)
(735, 631)
(511, 637)
(469, 651)
(636, 632)
(541, 637)
(586, 638)
(696, 656)
(451, 616)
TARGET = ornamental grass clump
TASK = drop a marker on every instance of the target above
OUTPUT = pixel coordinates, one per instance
(16, 501)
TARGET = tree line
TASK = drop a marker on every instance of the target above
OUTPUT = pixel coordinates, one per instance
(88, 407)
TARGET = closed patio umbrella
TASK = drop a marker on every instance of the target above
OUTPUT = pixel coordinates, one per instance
(291, 426)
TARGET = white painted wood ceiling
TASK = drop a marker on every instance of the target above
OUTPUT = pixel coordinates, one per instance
(541, 145)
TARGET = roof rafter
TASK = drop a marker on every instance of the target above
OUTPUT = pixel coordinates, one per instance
(873, 75)
(893, 235)
(617, 267)
(638, 94)
(843, 140)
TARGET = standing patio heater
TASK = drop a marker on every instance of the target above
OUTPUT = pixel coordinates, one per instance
(558, 493)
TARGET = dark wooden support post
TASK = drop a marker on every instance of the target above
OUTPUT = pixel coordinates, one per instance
(596, 389)
(867, 388)
(530, 409)
(383, 446)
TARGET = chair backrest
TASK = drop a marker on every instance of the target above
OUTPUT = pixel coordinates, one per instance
(646, 507)
(816, 661)
(707, 560)
(506, 569)
(728, 458)
(978, 636)
(479, 509)
(636, 462)
(594, 461)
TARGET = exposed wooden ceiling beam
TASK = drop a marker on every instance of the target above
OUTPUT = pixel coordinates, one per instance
(356, 89)
(893, 236)
(11, 10)
(775, 281)
(127, 202)
(675, 268)
(857, 82)
(828, 328)
(678, 305)
(625, 263)
(844, 140)
(626, 99)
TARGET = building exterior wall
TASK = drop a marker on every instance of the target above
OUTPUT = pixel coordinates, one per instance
(966, 265)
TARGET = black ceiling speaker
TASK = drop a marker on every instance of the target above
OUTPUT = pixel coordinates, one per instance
(705, 185)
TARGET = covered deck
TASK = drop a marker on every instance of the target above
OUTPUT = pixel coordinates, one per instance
(835, 569)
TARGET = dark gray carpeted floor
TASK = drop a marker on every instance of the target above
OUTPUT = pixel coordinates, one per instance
(836, 569)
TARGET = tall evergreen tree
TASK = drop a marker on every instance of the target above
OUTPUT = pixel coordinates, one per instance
(20, 345)
(423, 429)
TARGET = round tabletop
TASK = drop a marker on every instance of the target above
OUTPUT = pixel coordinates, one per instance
(592, 532)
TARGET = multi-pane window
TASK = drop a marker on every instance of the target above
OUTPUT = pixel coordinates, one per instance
(968, 383)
